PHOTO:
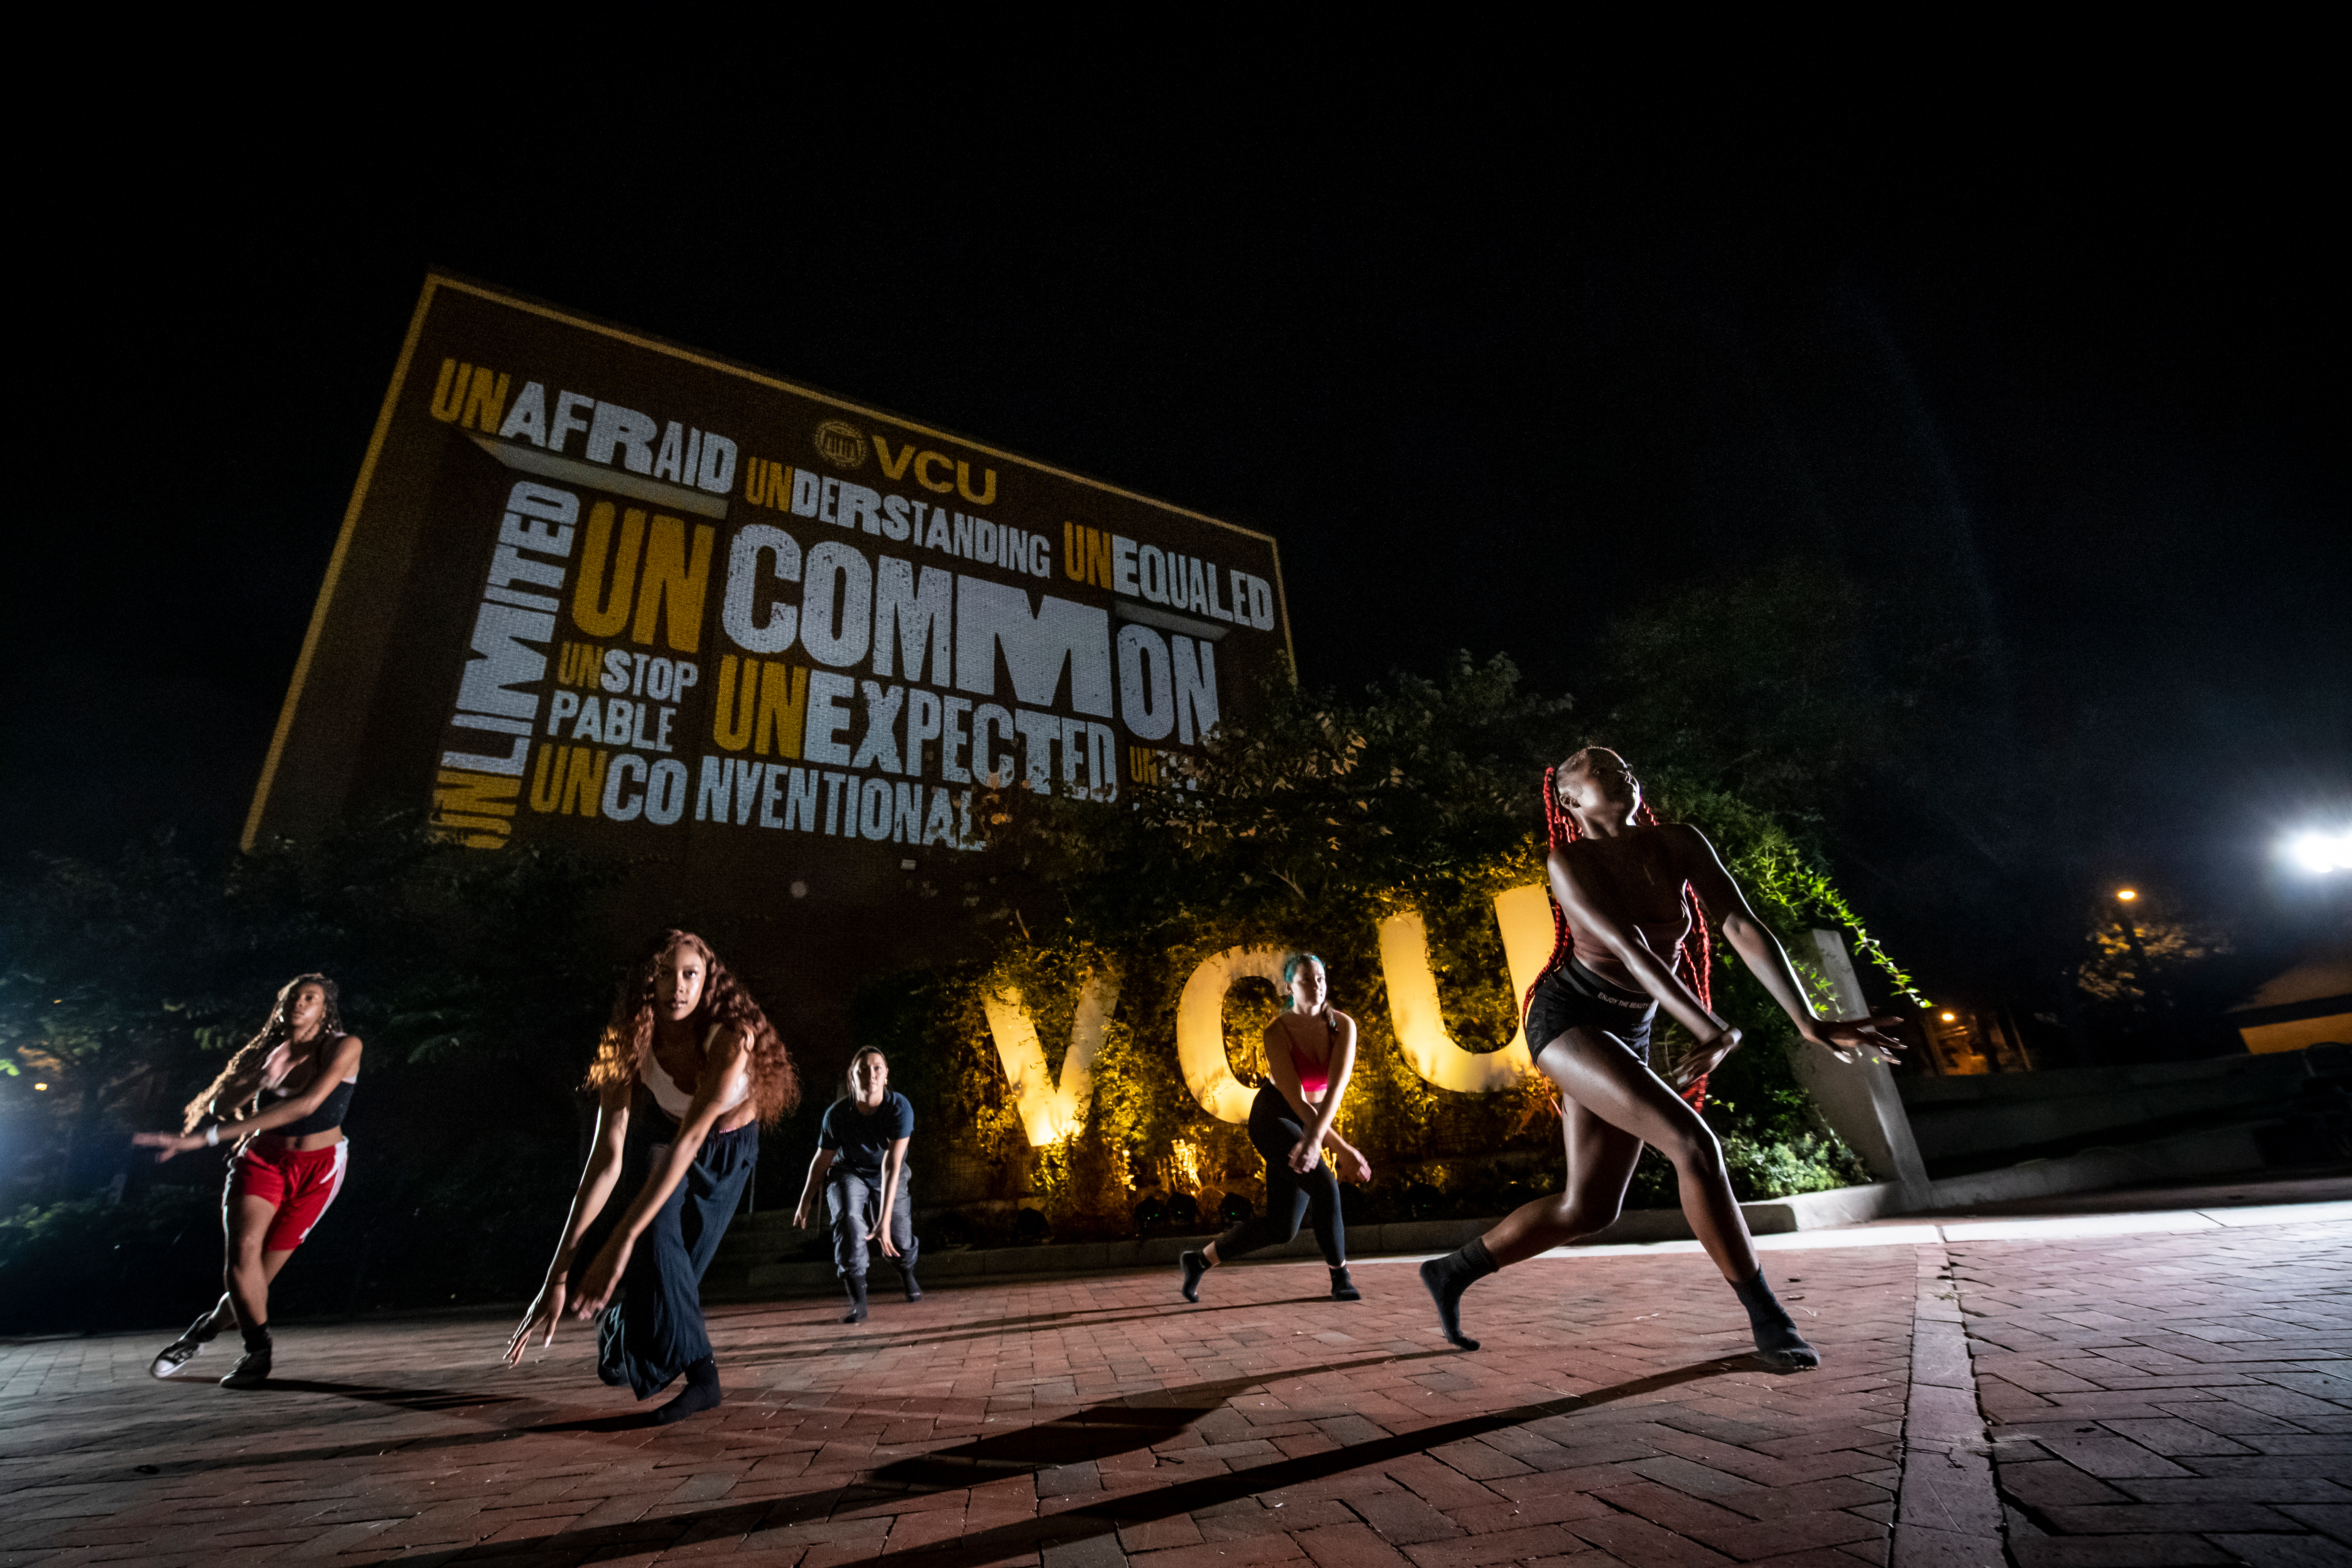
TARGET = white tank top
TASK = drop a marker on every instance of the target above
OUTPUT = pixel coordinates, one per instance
(676, 1101)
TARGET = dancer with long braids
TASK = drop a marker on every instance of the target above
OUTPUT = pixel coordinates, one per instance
(283, 1094)
(1310, 1053)
(1630, 901)
(686, 1073)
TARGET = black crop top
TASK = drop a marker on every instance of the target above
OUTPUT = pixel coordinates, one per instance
(331, 1110)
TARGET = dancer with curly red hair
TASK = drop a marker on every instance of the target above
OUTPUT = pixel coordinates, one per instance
(1631, 900)
(280, 1101)
(686, 1073)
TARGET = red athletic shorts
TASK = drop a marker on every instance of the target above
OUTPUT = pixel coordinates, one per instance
(302, 1183)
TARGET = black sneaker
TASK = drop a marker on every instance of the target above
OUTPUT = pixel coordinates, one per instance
(252, 1371)
(185, 1349)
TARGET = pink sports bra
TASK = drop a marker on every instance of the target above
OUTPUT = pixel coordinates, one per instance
(1314, 1077)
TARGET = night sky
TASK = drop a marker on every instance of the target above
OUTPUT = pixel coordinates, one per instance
(1489, 384)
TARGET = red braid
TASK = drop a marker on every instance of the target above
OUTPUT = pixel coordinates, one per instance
(1693, 958)
(1559, 828)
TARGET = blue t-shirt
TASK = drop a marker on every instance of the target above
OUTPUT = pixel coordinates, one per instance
(859, 1140)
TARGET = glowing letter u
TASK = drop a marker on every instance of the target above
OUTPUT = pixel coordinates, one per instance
(1524, 917)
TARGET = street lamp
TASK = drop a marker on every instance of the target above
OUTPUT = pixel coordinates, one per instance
(2125, 896)
(2318, 854)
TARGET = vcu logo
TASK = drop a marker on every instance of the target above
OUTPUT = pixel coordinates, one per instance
(843, 446)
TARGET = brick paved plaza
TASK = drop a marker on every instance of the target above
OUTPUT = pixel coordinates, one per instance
(2177, 1393)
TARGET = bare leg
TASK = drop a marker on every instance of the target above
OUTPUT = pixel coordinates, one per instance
(1600, 1161)
(224, 1313)
(248, 1272)
(1615, 1105)
(1596, 1071)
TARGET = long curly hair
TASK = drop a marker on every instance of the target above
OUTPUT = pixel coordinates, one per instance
(626, 1044)
(1693, 957)
(240, 1080)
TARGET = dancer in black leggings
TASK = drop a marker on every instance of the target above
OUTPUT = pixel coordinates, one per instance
(1310, 1051)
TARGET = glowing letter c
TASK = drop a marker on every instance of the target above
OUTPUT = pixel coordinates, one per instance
(1201, 1028)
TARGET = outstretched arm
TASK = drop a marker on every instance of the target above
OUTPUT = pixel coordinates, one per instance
(595, 1190)
(1725, 905)
(285, 1112)
(728, 1058)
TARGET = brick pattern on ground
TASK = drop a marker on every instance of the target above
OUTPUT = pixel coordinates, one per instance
(2168, 1399)
(2152, 1399)
(1611, 1418)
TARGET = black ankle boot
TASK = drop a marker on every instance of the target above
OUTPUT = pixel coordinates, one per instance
(856, 1285)
(1342, 1288)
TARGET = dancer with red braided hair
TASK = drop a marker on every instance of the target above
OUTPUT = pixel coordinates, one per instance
(1631, 900)
(686, 1073)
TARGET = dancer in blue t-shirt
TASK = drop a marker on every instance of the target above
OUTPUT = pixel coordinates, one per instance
(861, 1169)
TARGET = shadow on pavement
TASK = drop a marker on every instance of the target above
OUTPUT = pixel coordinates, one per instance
(908, 1339)
(1117, 1427)
(378, 1394)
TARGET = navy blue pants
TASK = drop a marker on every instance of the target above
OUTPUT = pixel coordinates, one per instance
(653, 1330)
(1289, 1197)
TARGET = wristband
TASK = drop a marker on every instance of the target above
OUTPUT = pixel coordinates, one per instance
(211, 1136)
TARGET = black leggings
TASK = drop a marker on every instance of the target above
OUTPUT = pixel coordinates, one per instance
(1274, 1128)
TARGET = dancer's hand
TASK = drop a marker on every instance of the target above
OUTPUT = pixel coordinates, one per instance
(540, 1319)
(1703, 1058)
(603, 1277)
(167, 1144)
(1306, 1154)
(802, 1216)
(1353, 1166)
(881, 1233)
(1859, 1039)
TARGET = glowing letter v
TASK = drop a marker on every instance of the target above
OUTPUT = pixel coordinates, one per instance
(1051, 1111)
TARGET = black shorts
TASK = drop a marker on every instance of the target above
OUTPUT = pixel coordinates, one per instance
(1571, 995)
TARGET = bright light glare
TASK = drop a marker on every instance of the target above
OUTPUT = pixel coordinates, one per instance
(2320, 853)
(1948, 1018)
(2127, 894)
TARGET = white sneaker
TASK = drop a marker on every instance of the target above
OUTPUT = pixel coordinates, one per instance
(185, 1349)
